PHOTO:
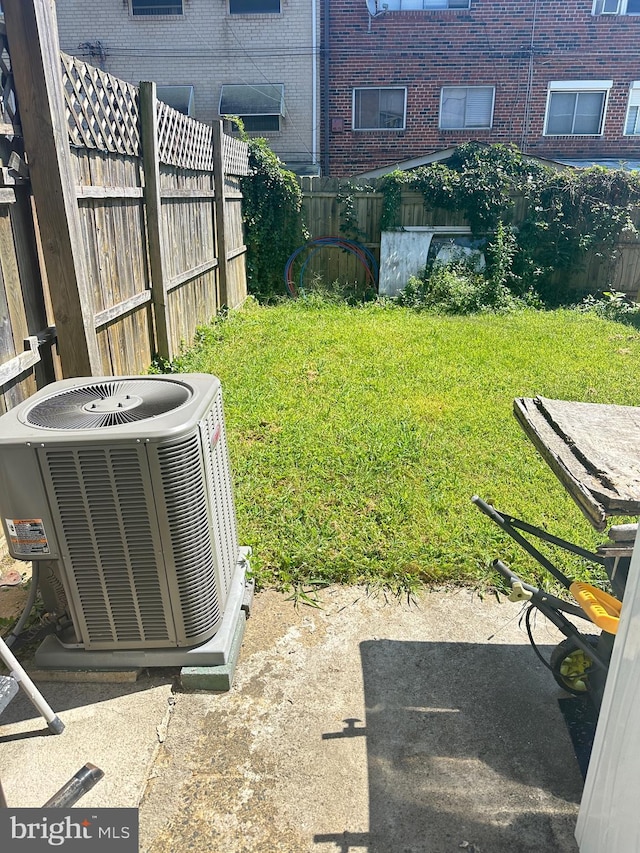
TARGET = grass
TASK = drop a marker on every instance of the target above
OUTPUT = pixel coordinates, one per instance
(358, 435)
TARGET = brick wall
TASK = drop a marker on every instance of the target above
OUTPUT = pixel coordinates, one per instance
(205, 47)
(494, 43)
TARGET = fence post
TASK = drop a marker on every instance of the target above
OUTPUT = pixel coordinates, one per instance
(153, 203)
(32, 34)
(221, 224)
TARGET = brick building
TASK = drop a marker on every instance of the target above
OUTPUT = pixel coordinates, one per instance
(254, 58)
(403, 78)
(349, 86)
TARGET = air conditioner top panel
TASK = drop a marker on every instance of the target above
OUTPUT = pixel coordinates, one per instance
(111, 408)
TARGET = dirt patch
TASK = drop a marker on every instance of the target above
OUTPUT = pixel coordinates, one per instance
(13, 598)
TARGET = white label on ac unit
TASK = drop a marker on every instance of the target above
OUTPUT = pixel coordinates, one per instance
(27, 535)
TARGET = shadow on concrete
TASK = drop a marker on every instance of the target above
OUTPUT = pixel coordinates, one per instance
(466, 750)
(65, 696)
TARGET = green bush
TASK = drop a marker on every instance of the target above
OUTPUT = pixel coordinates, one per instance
(271, 207)
(562, 215)
(613, 305)
(456, 289)
(460, 287)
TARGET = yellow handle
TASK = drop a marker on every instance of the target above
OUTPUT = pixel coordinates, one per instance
(603, 609)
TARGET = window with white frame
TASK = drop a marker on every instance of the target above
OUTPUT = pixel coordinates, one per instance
(616, 7)
(632, 124)
(419, 5)
(152, 8)
(254, 7)
(466, 107)
(379, 109)
(576, 107)
(260, 106)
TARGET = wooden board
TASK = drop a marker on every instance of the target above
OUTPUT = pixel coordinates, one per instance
(594, 450)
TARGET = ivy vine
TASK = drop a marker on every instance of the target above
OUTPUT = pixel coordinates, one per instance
(271, 207)
(345, 198)
(567, 213)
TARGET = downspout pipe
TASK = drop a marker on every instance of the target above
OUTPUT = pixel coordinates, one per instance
(325, 86)
(314, 82)
(530, 70)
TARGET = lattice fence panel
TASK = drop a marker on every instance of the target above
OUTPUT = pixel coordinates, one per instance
(8, 103)
(102, 111)
(183, 141)
(235, 156)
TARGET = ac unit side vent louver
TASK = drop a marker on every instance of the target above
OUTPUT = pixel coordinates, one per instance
(107, 533)
(220, 488)
(191, 540)
(107, 404)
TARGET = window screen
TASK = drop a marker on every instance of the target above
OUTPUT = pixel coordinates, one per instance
(575, 113)
(464, 107)
(178, 97)
(379, 109)
(616, 7)
(408, 5)
(246, 99)
(260, 106)
(253, 7)
(156, 7)
(632, 125)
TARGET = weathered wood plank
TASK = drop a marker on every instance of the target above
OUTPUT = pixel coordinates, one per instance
(602, 481)
(33, 36)
(11, 276)
(233, 253)
(32, 293)
(189, 275)
(13, 368)
(108, 192)
(126, 307)
(155, 231)
(222, 297)
(187, 193)
(605, 439)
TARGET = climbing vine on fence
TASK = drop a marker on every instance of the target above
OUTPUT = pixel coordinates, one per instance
(567, 212)
(271, 206)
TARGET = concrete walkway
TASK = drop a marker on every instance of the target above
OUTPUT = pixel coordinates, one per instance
(368, 725)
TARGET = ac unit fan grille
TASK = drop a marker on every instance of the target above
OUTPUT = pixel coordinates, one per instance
(107, 404)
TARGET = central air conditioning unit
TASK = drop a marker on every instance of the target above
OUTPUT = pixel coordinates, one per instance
(121, 489)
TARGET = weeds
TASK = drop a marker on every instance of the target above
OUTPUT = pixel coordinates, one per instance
(613, 305)
(458, 289)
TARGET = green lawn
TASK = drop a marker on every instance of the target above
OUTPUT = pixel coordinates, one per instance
(358, 435)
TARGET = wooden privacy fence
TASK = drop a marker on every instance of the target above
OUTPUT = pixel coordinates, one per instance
(26, 358)
(333, 207)
(122, 223)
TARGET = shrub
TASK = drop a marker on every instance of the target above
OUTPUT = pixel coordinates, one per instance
(613, 305)
(457, 289)
(564, 214)
(271, 207)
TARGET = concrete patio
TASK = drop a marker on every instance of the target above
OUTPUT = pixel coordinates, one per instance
(369, 724)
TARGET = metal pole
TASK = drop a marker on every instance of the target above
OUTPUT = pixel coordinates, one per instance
(26, 684)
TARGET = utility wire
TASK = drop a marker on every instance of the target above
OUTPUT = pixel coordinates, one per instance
(291, 124)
